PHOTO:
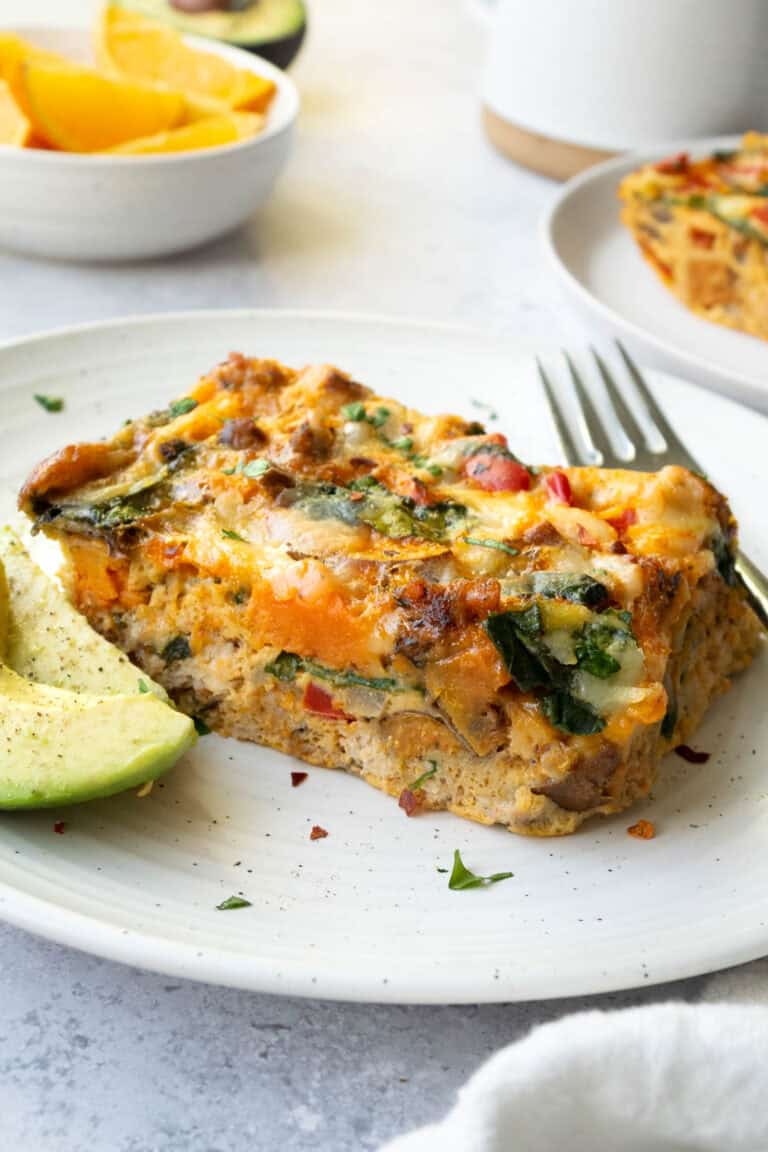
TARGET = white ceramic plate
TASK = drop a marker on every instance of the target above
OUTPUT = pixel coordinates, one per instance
(608, 281)
(364, 914)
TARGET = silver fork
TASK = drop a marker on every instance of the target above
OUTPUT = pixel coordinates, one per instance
(642, 455)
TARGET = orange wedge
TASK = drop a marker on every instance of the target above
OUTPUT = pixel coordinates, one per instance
(210, 133)
(14, 53)
(14, 126)
(79, 110)
(144, 49)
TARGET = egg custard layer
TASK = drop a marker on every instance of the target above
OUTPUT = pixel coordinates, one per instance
(307, 565)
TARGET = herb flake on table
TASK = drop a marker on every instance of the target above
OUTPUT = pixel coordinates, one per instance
(462, 878)
(233, 902)
(49, 403)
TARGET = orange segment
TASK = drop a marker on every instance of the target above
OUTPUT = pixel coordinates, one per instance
(14, 126)
(14, 53)
(79, 110)
(210, 133)
(135, 46)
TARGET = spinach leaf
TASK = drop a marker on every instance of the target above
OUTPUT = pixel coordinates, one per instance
(176, 649)
(288, 665)
(564, 711)
(724, 559)
(578, 588)
(499, 545)
(515, 634)
(385, 511)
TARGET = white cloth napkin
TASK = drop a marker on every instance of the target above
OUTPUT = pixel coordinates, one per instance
(665, 1078)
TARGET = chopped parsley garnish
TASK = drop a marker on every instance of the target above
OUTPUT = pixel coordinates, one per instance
(355, 412)
(201, 727)
(287, 666)
(176, 649)
(49, 403)
(230, 535)
(462, 878)
(430, 772)
(404, 444)
(233, 902)
(143, 687)
(181, 407)
(499, 545)
(492, 413)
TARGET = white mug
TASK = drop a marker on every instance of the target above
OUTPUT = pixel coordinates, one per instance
(616, 74)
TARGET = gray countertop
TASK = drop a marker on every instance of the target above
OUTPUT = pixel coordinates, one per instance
(393, 203)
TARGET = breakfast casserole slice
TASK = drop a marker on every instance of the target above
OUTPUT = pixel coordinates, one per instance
(703, 226)
(302, 563)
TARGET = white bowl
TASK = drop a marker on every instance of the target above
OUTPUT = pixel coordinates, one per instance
(70, 206)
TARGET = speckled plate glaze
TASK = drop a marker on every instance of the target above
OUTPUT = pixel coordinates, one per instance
(364, 914)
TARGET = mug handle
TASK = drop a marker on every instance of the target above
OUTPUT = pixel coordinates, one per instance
(482, 10)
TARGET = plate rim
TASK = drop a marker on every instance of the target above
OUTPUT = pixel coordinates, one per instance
(751, 390)
(227, 967)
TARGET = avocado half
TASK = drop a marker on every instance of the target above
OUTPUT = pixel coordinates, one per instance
(274, 29)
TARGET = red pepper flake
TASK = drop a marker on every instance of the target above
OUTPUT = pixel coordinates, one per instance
(409, 801)
(317, 700)
(298, 778)
(691, 755)
(60, 827)
(355, 496)
(559, 487)
(627, 518)
(760, 213)
(317, 833)
(643, 830)
(673, 165)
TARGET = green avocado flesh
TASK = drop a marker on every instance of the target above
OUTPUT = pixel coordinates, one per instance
(47, 640)
(77, 719)
(249, 26)
(59, 747)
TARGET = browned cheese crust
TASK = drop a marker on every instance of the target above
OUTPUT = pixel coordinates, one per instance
(304, 564)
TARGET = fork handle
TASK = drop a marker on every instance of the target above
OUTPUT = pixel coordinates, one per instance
(756, 585)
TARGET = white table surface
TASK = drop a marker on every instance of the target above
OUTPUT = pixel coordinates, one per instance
(393, 203)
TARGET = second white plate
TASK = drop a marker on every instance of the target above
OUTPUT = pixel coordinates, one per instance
(607, 280)
(365, 914)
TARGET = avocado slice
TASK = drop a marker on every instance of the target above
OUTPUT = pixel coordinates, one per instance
(274, 29)
(59, 747)
(4, 610)
(47, 640)
(77, 719)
